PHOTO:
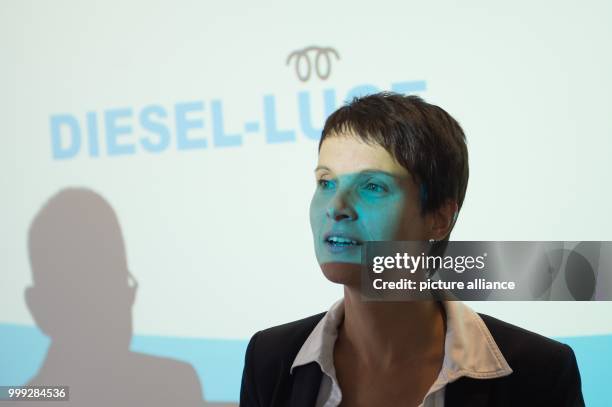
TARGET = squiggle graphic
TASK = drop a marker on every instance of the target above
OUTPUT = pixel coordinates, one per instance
(322, 62)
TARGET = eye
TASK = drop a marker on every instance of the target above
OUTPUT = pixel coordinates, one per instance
(325, 184)
(374, 187)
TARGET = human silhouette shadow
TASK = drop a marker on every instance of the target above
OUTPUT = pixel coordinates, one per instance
(81, 297)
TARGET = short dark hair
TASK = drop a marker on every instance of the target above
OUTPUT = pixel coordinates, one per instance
(422, 137)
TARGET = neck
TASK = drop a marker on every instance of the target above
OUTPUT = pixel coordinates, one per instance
(384, 334)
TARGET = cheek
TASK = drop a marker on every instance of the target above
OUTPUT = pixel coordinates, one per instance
(411, 226)
(412, 229)
(380, 226)
(316, 212)
(392, 220)
(381, 220)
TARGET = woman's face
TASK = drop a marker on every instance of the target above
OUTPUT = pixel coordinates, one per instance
(362, 194)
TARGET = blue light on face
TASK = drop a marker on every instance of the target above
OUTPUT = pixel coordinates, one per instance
(358, 207)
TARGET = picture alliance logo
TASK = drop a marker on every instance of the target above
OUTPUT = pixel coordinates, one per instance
(313, 56)
(198, 124)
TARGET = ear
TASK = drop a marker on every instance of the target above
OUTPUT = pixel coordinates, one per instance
(443, 219)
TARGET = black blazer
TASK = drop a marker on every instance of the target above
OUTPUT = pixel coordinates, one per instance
(544, 374)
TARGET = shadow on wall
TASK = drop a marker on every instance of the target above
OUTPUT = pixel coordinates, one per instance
(81, 297)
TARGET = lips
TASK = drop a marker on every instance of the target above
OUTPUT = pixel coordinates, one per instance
(340, 240)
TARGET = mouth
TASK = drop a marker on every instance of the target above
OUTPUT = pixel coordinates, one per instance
(339, 241)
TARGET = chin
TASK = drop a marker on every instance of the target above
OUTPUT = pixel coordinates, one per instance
(347, 274)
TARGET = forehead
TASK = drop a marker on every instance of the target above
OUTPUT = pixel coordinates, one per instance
(346, 153)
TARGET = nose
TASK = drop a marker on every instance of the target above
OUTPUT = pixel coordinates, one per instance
(340, 208)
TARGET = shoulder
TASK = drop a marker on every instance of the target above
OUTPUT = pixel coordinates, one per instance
(292, 330)
(524, 347)
(268, 359)
(283, 342)
(540, 365)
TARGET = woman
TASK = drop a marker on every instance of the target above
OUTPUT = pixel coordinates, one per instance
(394, 167)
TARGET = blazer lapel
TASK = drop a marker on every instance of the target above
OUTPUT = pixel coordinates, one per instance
(467, 392)
(306, 383)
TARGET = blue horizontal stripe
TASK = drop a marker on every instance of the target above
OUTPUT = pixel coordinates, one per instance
(219, 362)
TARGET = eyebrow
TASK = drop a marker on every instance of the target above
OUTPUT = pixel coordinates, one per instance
(365, 172)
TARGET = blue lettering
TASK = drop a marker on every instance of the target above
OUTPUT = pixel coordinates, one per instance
(274, 135)
(59, 152)
(183, 125)
(219, 137)
(92, 134)
(155, 127)
(114, 130)
(361, 90)
(409, 87)
(329, 100)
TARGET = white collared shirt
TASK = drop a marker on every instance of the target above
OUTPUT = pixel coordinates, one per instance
(469, 350)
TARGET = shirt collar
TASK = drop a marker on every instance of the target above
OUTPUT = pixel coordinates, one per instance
(319, 346)
(469, 348)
